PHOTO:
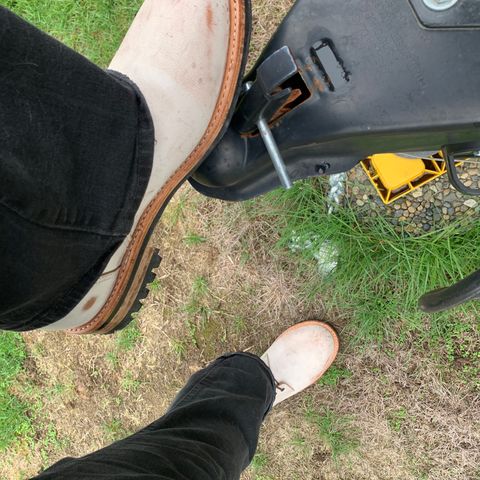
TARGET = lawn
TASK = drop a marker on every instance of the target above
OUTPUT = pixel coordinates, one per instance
(403, 398)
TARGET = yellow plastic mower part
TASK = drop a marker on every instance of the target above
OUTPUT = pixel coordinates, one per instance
(394, 176)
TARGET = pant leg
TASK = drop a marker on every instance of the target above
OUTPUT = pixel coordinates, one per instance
(210, 432)
(76, 146)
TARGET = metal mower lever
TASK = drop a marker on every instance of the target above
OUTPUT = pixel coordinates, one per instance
(262, 98)
(444, 298)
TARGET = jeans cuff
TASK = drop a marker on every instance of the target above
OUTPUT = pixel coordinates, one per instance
(263, 366)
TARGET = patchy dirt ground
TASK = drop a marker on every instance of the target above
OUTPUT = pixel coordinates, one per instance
(386, 412)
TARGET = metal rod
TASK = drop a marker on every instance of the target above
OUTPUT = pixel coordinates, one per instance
(274, 152)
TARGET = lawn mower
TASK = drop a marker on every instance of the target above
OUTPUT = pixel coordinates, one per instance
(340, 81)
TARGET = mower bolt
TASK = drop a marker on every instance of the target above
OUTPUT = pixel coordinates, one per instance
(440, 5)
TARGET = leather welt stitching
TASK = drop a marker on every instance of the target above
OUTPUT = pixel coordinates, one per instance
(143, 222)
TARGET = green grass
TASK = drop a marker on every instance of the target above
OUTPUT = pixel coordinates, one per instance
(115, 430)
(179, 348)
(199, 288)
(155, 286)
(194, 239)
(125, 341)
(49, 443)
(239, 325)
(39, 432)
(15, 424)
(302, 446)
(129, 383)
(463, 348)
(197, 309)
(397, 418)
(381, 273)
(298, 441)
(112, 359)
(334, 375)
(128, 337)
(176, 212)
(260, 461)
(93, 28)
(334, 430)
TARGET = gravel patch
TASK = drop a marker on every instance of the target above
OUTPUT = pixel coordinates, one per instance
(427, 208)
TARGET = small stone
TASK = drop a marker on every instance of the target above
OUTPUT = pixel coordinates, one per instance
(411, 209)
(355, 190)
(451, 211)
(470, 203)
(450, 197)
(417, 193)
(360, 203)
(444, 210)
(468, 183)
(403, 218)
(428, 196)
(427, 227)
(396, 206)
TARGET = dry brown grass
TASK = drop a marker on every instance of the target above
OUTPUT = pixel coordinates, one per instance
(252, 295)
(266, 17)
(253, 292)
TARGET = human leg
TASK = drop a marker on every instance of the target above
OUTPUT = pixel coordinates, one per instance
(75, 159)
(82, 193)
(209, 432)
(211, 429)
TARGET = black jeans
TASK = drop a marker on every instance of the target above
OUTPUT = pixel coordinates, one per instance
(210, 432)
(76, 146)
